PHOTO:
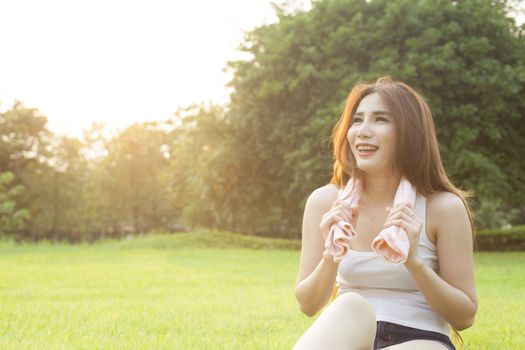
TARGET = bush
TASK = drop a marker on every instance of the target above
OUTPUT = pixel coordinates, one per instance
(512, 239)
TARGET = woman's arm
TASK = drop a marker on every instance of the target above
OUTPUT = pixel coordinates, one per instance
(452, 293)
(316, 277)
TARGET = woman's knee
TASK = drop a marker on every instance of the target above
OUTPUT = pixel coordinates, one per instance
(348, 322)
(357, 313)
(351, 304)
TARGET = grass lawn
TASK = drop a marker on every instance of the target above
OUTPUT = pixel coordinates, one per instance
(207, 290)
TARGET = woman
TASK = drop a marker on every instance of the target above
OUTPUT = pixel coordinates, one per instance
(385, 132)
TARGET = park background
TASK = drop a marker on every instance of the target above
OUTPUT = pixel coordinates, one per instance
(185, 232)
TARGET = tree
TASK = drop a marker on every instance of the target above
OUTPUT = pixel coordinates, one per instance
(12, 218)
(135, 161)
(466, 58)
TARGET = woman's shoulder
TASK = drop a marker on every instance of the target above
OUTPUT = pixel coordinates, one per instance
(441, 202)
(323, 197)
(439, 208)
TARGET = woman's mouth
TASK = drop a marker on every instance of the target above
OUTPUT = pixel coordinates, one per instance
(366, 151)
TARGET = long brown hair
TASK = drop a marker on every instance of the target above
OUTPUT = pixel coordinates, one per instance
(417, 153)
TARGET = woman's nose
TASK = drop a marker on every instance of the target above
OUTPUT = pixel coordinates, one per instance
(364, 130)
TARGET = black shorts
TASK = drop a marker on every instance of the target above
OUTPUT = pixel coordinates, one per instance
(392, 333)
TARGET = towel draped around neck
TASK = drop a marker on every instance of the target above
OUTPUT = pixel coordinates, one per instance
(392, 242)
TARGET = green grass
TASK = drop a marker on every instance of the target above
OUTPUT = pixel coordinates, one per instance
(206, 290)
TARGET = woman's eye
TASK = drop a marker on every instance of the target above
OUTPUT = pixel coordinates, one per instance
(356, 120)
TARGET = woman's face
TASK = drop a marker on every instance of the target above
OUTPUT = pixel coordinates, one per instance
(372, 124)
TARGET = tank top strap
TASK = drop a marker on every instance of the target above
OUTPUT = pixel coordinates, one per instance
(421, 203)
(420, 206)
(340, 193)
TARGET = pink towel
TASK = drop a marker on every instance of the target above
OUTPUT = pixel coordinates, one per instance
(340, 234)
(392, 242)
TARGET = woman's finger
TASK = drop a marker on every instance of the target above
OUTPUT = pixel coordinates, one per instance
(402, 215)
(401, 223)
(344, 210)
(336, 203)
(331, 219)
(326, 223)
(400, 208)
(348, 214)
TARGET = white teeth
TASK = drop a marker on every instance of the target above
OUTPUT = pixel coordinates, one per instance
(366, 148)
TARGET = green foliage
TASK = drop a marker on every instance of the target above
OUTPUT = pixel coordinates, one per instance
(501, 239)
(24, 148)
(204, 179)
(519, 229)
(11, 217)
(136, 163)
(24, 136)
(495, 212)
(74, 195)
(250, 165)
(466, 58)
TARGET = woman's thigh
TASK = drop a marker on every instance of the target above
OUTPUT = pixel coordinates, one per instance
(347, 323)
(417, 345)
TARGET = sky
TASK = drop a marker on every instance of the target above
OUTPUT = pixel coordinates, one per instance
(120, 62)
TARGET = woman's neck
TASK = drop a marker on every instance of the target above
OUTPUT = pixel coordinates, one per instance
(379, 190)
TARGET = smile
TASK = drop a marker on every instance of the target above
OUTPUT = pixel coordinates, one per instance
(366, 153)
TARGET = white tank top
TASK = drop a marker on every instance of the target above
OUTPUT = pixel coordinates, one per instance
(389, 288)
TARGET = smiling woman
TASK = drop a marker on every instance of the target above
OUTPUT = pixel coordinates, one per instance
(372, 118)
(384, 141)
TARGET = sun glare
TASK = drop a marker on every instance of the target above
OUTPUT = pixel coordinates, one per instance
(120, 62)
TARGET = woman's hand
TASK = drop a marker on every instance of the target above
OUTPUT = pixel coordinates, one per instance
(340, 210)
(403, 215)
